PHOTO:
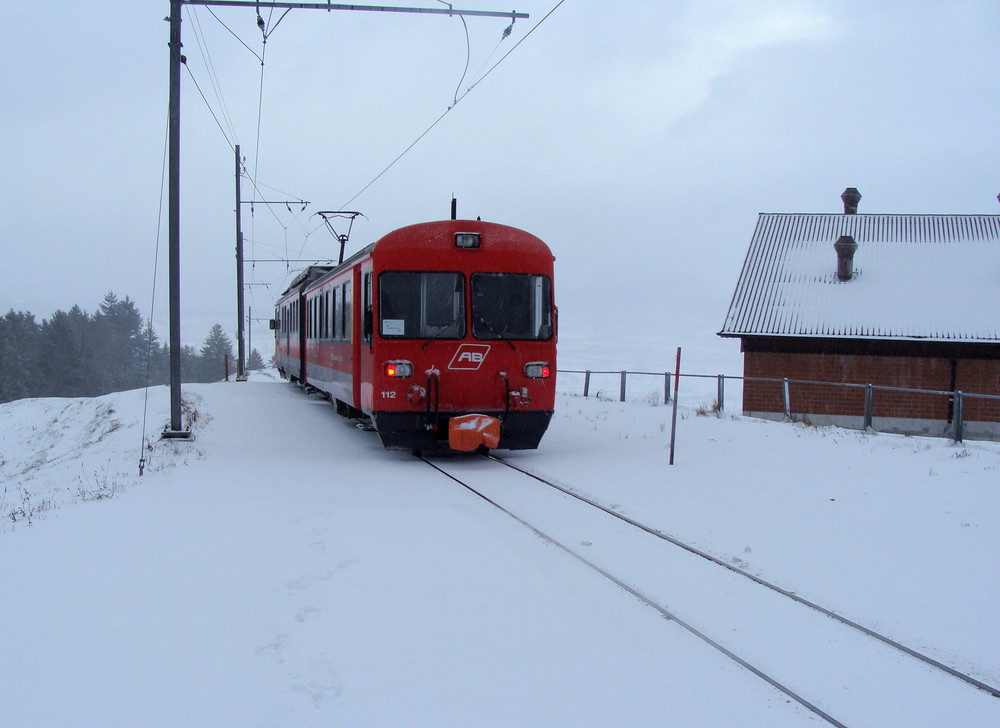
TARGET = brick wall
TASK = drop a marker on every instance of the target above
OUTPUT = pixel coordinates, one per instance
(982, 376)
(916, 372)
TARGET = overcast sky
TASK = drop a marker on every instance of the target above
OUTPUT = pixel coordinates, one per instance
(639, 139)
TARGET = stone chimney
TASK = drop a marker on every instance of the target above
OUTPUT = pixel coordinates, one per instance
(845, 247)
(851, 198)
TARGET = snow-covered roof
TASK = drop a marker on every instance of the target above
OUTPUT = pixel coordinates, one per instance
(933, 277)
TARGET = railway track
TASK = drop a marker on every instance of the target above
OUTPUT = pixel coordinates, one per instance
(840, 671)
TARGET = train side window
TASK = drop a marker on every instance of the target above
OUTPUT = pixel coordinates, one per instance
(321, 315)
(348, 294)
(421, 305)
(331, 322)
(336, 305)
(333, 314)
(366, 324)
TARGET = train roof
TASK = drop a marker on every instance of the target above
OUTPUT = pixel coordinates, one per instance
(308, 275)
(440, 234)
(418, 241)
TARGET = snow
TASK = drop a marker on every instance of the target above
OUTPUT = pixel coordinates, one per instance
(915, 277)
(282, 569)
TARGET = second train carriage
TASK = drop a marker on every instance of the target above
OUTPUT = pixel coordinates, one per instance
(442, 334)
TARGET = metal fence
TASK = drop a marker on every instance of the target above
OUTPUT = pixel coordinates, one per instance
(954, 405)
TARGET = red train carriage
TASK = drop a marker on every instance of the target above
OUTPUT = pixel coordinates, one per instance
(442, 334)
(289, 333)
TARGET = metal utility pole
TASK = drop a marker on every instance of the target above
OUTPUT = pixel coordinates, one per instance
(241, 353)
(174, 220)
(174, 155)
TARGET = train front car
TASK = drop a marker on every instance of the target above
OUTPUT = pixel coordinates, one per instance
(463, 340)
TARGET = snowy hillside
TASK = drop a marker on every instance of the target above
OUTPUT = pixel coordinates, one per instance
(282, 569)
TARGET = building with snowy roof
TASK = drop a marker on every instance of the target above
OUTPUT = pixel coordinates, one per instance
(900, 302)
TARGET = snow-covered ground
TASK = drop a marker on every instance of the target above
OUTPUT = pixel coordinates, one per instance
(284, 570)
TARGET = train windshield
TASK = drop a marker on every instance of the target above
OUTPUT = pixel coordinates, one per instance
(421, 305)
(511, 306)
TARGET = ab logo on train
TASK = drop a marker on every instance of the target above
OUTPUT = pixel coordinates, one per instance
(469, 357)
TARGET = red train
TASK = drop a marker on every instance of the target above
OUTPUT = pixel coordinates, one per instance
(442, 335)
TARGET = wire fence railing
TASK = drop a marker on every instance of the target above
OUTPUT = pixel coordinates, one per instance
(955, 414)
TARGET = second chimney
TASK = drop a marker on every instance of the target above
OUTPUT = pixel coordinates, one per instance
(851, 198)
(845, 247)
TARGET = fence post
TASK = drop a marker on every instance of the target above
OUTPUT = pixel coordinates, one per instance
(623, 387)
(666, 388)
(721, 398)
(673, 414)
(586, 383)
(788, 398)
(869, 405)
(959, 415)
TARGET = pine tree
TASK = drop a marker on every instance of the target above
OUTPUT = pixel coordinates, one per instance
(119, 351)
(155, 360)
(190, 363)
(254, 362)
(65, 355)
(19, 372)
(215, 352)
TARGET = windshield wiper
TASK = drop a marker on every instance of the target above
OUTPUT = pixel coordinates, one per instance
(490, 327)
(444, 328)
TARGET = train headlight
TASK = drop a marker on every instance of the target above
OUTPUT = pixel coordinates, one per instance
(466, 240)
(398, 369)
(537, 370)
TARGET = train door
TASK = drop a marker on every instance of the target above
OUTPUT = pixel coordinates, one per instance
(364, 365)
(301, 329)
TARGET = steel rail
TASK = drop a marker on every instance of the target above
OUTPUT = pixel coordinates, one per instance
(648, 601)
(926, 659)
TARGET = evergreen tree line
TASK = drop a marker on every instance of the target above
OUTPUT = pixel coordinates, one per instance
(76, 354)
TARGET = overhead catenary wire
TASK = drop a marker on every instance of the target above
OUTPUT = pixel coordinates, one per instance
(455, 103)
(244, 170)
(514, 48)
(209, 105)
(199, 35)
(266, 30)
(231, 32)
(468, 50)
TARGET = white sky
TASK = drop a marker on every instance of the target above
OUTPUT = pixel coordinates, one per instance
(639, 140)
